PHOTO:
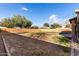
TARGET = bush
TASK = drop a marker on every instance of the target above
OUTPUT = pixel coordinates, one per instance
(63, 39)
(46, 25)
(55, 25)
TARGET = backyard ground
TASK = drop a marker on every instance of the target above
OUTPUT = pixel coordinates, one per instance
(48, 35)
(35, 42)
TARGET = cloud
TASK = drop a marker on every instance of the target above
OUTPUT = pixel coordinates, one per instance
(24, 8)
(55, 19)
(66, 21)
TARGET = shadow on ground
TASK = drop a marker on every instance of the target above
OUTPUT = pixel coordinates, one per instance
(25, 46)
(66, 34)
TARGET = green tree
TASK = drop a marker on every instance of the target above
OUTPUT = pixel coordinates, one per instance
(55, 25)
(46, 24)
(16, 21)
(27, 24)
(7, 22)
(22, 22)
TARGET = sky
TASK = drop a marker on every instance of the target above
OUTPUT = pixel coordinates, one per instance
(39, 13)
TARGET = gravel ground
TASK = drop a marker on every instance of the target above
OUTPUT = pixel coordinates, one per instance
(25, 46)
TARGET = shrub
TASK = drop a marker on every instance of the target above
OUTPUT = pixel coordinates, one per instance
(55, 25)
(63, 39)
(46, 25)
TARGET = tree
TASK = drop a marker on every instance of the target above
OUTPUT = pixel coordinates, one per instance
(46, 24)
(21, 21)
(16, 21)
(7, 22)
(27, 24)
(55, 25)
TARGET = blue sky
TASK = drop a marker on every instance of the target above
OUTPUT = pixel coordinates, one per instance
(40, 13)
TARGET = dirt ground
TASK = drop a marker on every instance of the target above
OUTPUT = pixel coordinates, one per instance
(51, 35)
(26, 42)
(2, 48)
(26, 46)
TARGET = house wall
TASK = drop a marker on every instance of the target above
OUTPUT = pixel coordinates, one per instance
(75, 30)
(73, 24)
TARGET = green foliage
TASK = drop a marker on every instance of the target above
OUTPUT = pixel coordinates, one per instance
(7, 23)
(46, 24)
(63, 39)
(55, 25)
(27, 24)
(21, 21)
(16, 21)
